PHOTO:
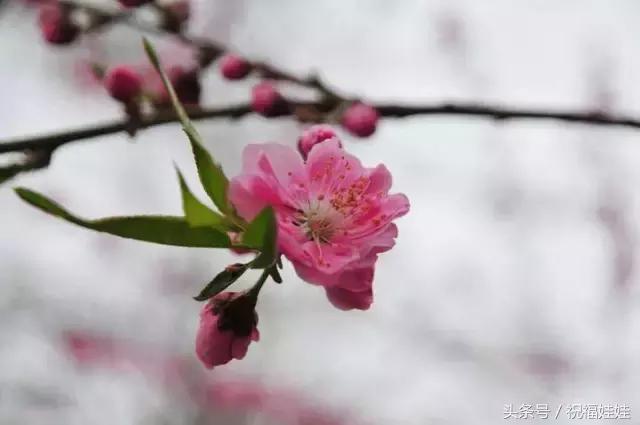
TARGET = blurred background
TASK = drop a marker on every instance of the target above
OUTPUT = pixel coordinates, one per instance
(514, 280)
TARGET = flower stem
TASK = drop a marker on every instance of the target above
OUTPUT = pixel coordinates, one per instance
(255, 291)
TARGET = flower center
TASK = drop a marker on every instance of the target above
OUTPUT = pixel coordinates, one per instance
(319, 221)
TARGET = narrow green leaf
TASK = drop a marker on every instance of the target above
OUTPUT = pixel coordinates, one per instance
(261, 234)
(275, 275)
(212, 177)
(222, 281)
(195, 212)
(164, 230)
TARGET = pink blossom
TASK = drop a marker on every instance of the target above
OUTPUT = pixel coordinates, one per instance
(334, 215)
(234, 67)
(360, 119)
(314, 135)
(223, 336)
(55, 24)
(266, 100)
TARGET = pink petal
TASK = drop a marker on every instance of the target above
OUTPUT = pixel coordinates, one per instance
(247, 205)
(239, 347)
(349, 300)
(357, 280)
(314, 276)
(379, 180)
(328, 165)
(330, 258)
(273, 159)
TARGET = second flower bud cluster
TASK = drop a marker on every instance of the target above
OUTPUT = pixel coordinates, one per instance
(357, 118)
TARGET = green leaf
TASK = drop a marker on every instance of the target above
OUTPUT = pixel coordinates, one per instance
(262, 234)
(196, 213)
(212, 177)
(164, 230)
(275, 274)
(222, 281)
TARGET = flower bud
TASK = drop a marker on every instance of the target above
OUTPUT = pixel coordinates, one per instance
(123, 83)
(360, 119)
(56, 25)
(228, 324)
(266, 100)
(314, 135)
(133, 3)
(234, 67)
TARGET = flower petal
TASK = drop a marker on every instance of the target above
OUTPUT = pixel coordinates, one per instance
(279, 161)
(350, 300)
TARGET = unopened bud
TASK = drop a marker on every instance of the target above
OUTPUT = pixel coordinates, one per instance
(360, 119)
(56, 25)
(266, 100)
(314, 135)
(123, 83)
(234, 67)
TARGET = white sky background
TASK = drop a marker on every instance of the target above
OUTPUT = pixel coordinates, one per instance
(514, 278)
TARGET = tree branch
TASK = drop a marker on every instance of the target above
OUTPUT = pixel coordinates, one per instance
(54, 140)
(39, 149)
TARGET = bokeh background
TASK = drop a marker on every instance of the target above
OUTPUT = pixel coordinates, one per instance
(514, 279)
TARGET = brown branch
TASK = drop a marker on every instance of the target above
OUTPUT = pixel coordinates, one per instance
(55, 140)
(503, 113)
(298, 109)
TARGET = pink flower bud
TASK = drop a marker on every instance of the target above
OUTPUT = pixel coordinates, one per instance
(123, 83)
(234, 67)
(133, 3)
(55, 24)
(360, 119)
(314, 135)
(266, 100)
(228, 324)
(186, 82)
